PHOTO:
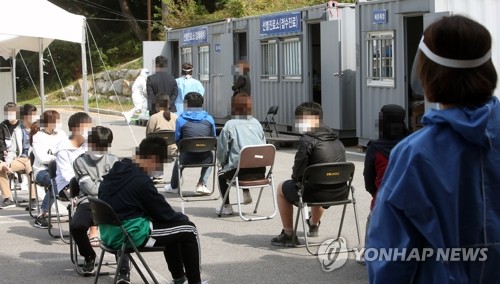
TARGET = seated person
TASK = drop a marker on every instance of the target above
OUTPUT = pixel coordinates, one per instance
(129, 190)
(240, 131)
(164, 119)
(17, 158)
(89, 169)
(193, 122)
(67, 151)
(319, 144)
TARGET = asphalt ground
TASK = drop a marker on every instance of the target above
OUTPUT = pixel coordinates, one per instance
(232, 250)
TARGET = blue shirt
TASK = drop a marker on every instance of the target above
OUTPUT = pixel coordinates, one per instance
(184, 86)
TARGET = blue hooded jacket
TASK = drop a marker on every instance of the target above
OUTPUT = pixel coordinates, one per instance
(195, 123)
(441, 190)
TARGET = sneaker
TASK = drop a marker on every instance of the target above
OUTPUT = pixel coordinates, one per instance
(41, 222)
(202, 190)
(88, 266)
(226, 210)
(283, 240)
(157, 179)
(313, 229)
(33, 207)
(123, 277)
(168, 189)
(7, 203)
(247, 198)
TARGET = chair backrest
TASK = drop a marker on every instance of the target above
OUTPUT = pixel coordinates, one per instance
(257, 156)
(32, 158)
(329, 174)
(168, 135)
(197, 144)
(273, 110)
(52, 168)
(74, 188)
(103, 213)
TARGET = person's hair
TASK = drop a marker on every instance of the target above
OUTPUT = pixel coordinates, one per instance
(9, 105)
(194, 99)
(77, 119)
(457, 37)
(160, 62)
(27, 109)
(392, 124)
(100, 137)
(309, 108)
(187, 66)
(49, 116)
(241, 104)
(153, 146)
(164, 103)
(35, 127)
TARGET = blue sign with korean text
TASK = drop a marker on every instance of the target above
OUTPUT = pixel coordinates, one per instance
(195, 36)
(380, 16)
(282, 23)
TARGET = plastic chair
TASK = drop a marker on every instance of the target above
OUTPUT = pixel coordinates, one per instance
(103, 213)
(325, 175)
(257, 156)
(196, 145)
(269, 120)
(52, 168)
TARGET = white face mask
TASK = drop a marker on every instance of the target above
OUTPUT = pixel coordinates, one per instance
(10, 115)
(302, 127)
(33, 119)
(58, 126)
(85, 133)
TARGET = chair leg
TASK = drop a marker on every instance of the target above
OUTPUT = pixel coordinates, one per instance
(258, 200)
(342, 220)
(134, 263)
(96, 278)
(32, 187)
(145, 265)
(58, 217)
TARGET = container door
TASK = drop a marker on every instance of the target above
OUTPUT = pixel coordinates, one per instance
(331, 74)
(221, 76)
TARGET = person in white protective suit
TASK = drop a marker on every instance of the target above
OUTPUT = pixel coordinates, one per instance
(139, 96)
(186, 84)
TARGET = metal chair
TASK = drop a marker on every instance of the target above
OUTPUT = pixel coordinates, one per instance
(168, 135)
(269, 120)
(33, 184)
(326, 176)
(52, 168)
(196, 145)
(257, 156)
(103, 214)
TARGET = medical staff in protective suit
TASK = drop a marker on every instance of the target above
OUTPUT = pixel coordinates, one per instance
(187, 84)
(437, 214)
(139, 96)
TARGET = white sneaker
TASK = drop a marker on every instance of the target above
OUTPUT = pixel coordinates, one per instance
(226, 210)
(202, 190)
(168, 189)
(247, 198)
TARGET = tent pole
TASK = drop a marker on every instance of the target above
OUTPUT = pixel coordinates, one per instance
(40, 66)
(84, 71)
(13, 70)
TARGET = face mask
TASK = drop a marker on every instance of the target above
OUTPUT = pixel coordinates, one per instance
(302, 127)
(33, 119)
(58, 126)
(85, 133)
(10, 116)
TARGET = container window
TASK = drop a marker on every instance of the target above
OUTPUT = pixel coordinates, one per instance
(292, 59)
(186, 55)
(269, 50)
(204, 62)
(380, 49)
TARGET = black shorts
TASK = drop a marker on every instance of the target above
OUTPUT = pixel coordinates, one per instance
(291, 193)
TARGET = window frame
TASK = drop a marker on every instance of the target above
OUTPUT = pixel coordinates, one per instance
(376, 41)
(264, 60)
(186, 55)
(297, 53)
(204, 56)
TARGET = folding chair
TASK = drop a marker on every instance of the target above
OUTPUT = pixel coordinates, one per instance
(52, 167)
(103, 214)
(168, 135)
(14, 180)
(33, 184)
(256, 156)
(269, 120)
(196, 145)
(324, 175)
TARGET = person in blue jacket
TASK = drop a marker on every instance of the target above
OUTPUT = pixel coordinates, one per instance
(437, 212)
(186, 84)
(193, 122)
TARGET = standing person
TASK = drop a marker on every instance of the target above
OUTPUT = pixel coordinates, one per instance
(319, 144)
(17, 158)
(242, 84)
(240, 131)
(139, 96)
(194, 122)
(187, 84)
(441, 189)
(161, 83)
(129, 190)
(164, 119)
(89, 169)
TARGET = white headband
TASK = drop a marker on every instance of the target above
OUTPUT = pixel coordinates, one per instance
(453, 63)
(187, 70)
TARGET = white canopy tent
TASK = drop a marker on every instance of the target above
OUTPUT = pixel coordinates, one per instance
(32, 25)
